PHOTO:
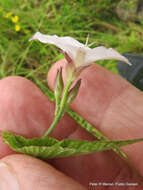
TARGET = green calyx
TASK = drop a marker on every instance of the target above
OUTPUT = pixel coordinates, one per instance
(59, 85)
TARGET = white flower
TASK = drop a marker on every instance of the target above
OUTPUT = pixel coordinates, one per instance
(80, 54)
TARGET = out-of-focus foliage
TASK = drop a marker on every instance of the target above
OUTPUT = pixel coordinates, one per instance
(20, 19)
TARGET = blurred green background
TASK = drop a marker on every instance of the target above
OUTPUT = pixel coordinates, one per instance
(112, 23)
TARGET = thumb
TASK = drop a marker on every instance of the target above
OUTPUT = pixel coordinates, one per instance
(25, 172)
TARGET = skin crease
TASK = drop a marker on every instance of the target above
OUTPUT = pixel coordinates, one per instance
(107, 101)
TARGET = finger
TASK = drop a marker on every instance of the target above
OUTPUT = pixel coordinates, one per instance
(25, 110)
(111, 104)
(25, 172)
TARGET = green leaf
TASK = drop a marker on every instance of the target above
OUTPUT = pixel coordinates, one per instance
(48, 147)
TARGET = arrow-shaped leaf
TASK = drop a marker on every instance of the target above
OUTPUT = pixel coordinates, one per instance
(48, 147)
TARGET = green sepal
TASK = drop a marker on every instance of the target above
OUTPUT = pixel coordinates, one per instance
(47, 147)
(73, 92)
(58, 88)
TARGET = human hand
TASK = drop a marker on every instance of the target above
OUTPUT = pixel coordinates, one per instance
(108, 102)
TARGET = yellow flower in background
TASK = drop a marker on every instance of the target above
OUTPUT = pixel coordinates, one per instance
(7, 15)
(15, 19)
(17, 27)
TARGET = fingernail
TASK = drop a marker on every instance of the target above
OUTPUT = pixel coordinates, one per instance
(8, 179)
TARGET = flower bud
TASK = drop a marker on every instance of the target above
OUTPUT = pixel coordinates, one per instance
(59, 85)
(73, 92)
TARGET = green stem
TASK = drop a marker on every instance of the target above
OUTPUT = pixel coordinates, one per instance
(55, 121)
(61, 111)
(65, 94)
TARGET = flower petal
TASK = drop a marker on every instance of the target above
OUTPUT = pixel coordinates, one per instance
(72, 46)
(67, 44)
(102, 53)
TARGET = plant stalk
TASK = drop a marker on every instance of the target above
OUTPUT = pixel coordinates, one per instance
(62, 106)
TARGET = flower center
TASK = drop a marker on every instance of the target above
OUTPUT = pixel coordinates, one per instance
(80, 57)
